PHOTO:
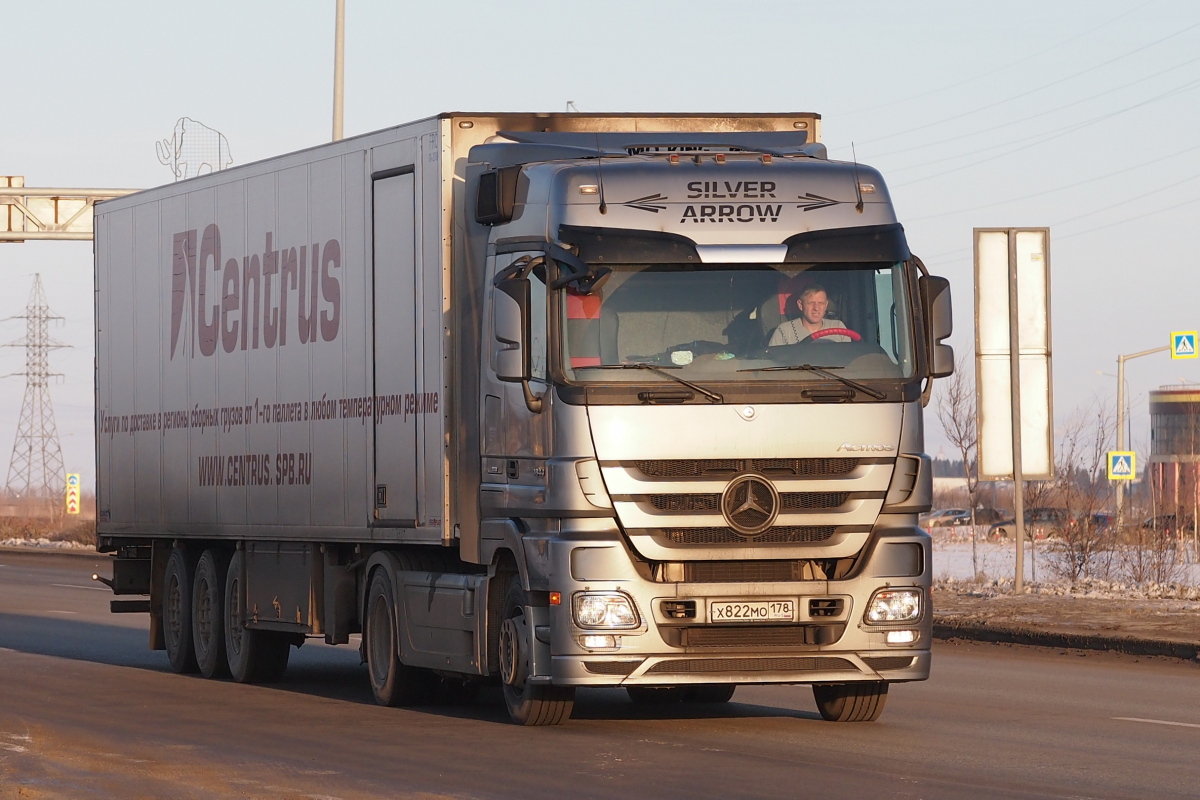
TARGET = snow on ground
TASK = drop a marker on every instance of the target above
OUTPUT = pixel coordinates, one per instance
(45, 543)
(994, 564)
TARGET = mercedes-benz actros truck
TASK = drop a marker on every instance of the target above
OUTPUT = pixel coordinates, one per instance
(548, 401)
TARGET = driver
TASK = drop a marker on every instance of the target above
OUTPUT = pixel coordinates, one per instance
(812, 304)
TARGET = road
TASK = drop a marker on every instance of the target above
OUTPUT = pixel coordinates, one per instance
(86, 711)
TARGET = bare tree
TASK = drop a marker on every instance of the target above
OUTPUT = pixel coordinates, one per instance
(956, 412)
(1082, 489)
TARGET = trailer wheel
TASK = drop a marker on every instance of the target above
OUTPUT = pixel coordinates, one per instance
(850, 702)
(208, 614)
(177, 610)
(392, 683)
(253, 656)
(527, 704)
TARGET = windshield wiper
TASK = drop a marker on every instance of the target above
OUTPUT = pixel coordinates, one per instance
(825, 373)
(662, 370)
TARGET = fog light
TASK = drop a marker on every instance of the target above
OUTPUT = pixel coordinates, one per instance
(604, 610)
(901, 637)
(894, 605)
(599, 642)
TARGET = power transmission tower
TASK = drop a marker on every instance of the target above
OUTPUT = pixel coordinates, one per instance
(36, 469)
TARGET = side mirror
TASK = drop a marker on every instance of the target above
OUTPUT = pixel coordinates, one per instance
(939, 324)
(511, 322)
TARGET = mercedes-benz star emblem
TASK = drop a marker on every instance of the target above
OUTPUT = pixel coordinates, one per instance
(750, 504)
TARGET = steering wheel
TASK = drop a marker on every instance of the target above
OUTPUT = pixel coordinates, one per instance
(821, 334)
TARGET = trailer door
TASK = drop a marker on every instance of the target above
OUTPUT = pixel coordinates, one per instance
(395, 346)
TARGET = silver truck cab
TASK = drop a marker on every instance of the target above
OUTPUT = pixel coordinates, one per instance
(706, 483)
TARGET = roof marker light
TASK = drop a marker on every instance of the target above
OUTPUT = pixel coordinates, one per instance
(766, 159)
(589, 188)
(719, 158)
(867, 188)
(673, 158)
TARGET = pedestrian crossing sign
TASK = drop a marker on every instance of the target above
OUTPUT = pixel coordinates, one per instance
(1122, 465)
(1183, 344)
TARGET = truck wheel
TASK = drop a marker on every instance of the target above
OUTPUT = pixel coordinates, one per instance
(208, 614)
(527, 704)
(177, 610)
(392, 683)
(850, 702)
(252, 656)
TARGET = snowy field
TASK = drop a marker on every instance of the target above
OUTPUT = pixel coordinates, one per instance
(994, 562)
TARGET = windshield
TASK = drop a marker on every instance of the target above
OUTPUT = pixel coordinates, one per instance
(742, 322)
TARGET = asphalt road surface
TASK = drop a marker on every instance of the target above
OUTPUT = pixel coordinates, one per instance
(86, 711)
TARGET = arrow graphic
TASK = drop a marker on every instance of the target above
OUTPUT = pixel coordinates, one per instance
(648, 203)
(815, 201)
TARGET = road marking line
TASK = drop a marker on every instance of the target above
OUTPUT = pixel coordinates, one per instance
(15, 748)
(62, 612)
(1159, 722)
(73, 586)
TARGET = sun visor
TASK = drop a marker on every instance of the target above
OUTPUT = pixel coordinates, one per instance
(868, 243)
(627, 246)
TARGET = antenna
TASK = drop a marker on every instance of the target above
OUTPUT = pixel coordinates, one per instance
(600, 174)
(572, 107)
(857, 186)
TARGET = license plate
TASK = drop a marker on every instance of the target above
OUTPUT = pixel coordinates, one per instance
(753, 611)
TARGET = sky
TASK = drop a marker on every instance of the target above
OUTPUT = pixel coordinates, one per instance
(1079, 115)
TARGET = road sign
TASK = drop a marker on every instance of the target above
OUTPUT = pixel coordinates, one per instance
(1183, 344)
(73, 493)
(1122, 465)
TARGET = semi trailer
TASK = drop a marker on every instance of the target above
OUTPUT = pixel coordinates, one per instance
(547, 401)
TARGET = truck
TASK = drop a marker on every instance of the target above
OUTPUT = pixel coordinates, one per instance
(542, 401)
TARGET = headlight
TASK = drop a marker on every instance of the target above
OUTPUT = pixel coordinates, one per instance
(894, 605)
(606, 610)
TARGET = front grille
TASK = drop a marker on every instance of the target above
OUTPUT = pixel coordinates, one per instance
(742, 571)
(686, 502)
(785, 664)
(611, 667)
(761, 636)
(790, 501)
(826, 607)
(798, 534)
(728, 467)
(888, 662)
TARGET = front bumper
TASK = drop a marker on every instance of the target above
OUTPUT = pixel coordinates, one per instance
(827, 642)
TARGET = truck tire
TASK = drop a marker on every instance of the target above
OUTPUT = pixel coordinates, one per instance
(208, 614)
(850, 702)
(392, 682)
(527, 704)
(177, 610)
(253, 656)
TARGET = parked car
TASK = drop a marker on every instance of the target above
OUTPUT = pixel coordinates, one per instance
(936, 518)
(983, 516)
(1169, 524)
(1100, 522)
(1040, 523)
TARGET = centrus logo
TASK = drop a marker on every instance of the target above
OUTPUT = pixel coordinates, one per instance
(866, 448)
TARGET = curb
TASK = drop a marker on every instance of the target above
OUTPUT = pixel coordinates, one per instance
(952, 629)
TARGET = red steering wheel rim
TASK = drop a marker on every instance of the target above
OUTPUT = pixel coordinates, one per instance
(855, 336)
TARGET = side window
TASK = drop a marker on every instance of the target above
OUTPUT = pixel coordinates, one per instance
(886, 313)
